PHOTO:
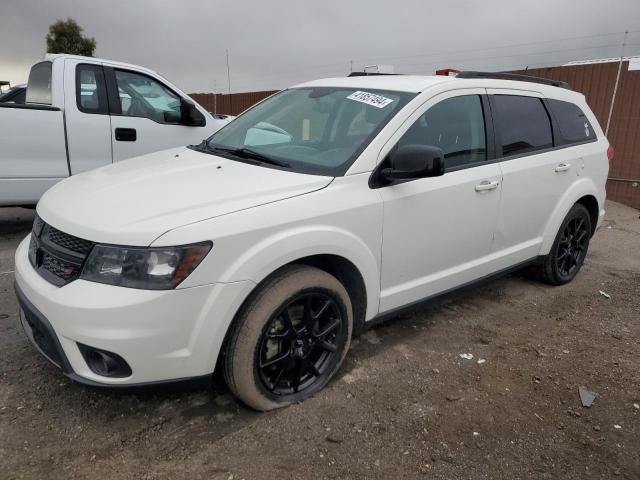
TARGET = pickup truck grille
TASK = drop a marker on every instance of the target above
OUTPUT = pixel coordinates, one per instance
(57, 256)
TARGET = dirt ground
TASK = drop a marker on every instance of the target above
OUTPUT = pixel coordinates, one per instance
(404, 405)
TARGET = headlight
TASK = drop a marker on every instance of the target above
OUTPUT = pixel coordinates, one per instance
(153, 268)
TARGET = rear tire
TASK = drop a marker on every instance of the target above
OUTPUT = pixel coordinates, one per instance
(569, 249)
(289, 339)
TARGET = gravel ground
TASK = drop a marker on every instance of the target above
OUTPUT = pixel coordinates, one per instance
(404, 405)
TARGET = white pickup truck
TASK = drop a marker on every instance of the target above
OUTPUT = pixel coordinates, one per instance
(82, 113)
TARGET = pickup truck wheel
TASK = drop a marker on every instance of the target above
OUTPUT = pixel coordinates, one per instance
(289, 339)
(569, 249)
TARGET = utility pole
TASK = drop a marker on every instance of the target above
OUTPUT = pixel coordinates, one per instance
(351, 65)
(615, 87)
(228, 73)
(215, 97)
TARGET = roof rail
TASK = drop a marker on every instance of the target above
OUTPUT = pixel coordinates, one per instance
(369, 74)
(514, 76)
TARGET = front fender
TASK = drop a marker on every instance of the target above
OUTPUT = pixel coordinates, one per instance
(582, 187)
(284, 247)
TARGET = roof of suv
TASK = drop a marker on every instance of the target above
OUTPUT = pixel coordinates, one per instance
(417, 84)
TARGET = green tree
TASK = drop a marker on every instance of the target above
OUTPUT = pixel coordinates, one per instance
(65, 36)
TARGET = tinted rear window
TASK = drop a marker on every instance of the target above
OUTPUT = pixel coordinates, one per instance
(39, 85)
(523, 124)
(572, 122)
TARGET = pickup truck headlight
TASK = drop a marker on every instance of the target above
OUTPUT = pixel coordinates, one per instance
(153, 268)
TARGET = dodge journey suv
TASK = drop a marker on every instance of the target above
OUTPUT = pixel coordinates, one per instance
(331, 204)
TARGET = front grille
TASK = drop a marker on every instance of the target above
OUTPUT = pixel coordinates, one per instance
(57, 256)
(69, 242)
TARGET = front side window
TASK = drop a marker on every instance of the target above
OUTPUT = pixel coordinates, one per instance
(91, 92)
(143, 96)
(456, 126)
(572, 122)
(39, 84)
(318, 130)
(523, 124)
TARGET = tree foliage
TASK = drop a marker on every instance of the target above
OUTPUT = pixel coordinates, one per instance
(65, 36)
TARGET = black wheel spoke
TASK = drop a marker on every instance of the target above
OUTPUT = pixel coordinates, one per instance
(329, 347)
(312, 369)
(333, 324)
(276, 359)
(323, 309)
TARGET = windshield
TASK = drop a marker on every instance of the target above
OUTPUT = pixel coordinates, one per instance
(319, 130)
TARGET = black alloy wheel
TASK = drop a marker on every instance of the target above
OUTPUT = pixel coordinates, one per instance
(572, 246)
(301, 343)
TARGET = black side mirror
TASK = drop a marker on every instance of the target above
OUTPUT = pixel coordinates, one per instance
(414, 161)
(191, 116)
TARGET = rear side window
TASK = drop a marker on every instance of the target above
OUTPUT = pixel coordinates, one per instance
(39, 84)
(572, 122)
(456, 126)
(91, 91)
(523, 124)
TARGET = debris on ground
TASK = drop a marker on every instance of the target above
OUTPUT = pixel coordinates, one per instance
(586, 396)
(467, 356)
(605, 294)
(636, 406)
(481, 361)
(617, 427)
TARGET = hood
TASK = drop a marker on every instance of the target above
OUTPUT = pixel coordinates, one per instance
(135, 201)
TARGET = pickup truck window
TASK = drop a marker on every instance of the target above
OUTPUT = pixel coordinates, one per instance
(142, 96)
(318, 130)
(91, 91)
(39, 84)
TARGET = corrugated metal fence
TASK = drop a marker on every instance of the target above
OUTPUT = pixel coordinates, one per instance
(233, 104)
(596, 81)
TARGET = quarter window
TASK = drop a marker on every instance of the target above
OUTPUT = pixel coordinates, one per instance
(523, 124)
(91, 91)
(142, 96)
(39, 84)
(456, 126)
(572, 122)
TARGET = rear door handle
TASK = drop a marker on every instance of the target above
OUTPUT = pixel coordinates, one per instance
(126, 134)
(487, 185)
(563, 167)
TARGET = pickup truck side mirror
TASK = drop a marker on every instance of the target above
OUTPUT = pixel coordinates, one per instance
(414, 161)
(191, 116)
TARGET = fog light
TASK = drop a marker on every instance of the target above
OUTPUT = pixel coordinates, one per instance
(103, 363)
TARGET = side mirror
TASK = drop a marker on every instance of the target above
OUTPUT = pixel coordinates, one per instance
(191, 116)
(414, 161)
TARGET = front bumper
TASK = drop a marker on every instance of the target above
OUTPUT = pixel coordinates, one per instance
(164, 335)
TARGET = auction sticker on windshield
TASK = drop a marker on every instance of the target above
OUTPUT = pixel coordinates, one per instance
(370, 99)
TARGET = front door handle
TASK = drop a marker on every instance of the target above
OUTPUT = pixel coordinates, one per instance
(563, 167)
(126, 134)
(487, 185)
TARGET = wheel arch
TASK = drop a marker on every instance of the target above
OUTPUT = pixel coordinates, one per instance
(584, 192)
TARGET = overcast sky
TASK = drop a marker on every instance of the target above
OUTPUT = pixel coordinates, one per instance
(276, 43)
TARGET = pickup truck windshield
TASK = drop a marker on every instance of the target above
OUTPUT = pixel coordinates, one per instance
(318, 130)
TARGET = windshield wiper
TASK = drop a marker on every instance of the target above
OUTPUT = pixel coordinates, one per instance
(245, 152)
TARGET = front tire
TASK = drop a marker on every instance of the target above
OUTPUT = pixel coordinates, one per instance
(569, 249)
(289, 339)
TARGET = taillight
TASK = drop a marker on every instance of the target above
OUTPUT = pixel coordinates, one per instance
(610, 153)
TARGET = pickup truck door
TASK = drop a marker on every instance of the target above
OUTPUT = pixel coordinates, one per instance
(87, 116)
(146, 115)
(438, 232)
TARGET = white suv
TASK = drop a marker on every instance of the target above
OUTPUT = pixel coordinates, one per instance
(321, 209)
